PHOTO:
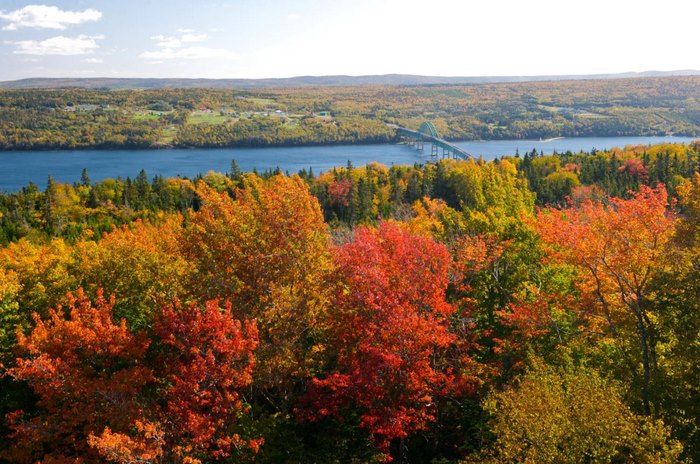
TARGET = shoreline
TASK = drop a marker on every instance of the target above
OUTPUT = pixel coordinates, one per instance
(22, 167)
(156, 148)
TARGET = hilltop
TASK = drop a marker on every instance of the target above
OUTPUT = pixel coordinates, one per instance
(308, 81)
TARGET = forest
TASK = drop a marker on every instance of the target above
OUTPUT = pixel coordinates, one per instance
(532, 309)
(36, 119)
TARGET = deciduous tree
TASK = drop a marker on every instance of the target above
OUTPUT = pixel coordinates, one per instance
(619, 248)
(572, 416)
(388, 326)
(266, 251)
(88, 374)
(105, 392)
(205, 360)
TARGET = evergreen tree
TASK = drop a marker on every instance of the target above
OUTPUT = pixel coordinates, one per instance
(413, 189)
(85, 178)
(143, 190)
(235, 173)
(49, 206)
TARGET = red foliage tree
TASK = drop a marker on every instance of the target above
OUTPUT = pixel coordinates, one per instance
(635, 168)
(388, 324)
(106, 393)
(339, 192)
(206, 360)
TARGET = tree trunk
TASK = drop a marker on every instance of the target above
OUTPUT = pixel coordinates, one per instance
(642, 329)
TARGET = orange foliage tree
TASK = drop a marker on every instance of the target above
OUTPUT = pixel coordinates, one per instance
(206, 360)
(88, 374)
(618, 249)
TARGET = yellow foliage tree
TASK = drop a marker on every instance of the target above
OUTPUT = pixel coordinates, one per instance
(267, 251)
(552, 416)
(141, 264)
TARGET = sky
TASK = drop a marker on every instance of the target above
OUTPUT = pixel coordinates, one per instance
(279, 38)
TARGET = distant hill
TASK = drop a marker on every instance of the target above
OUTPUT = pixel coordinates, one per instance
(306, 81)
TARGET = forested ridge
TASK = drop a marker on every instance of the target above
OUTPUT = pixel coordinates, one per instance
(529, 309)
(157, 118)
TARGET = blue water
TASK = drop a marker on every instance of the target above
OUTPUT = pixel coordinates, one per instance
(17, 169)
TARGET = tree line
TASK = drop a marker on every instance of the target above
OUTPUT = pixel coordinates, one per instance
(348, 195)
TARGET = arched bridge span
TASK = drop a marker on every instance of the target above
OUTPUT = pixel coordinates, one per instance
(427, 133)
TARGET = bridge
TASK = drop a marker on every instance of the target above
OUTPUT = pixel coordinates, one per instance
(427, 133)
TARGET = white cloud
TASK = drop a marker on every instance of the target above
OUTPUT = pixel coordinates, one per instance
(46, 17)
(293, 16)
(176, 42)
(60, 45)
(188, 53)
(172, 48)
(93, 60)
(193, 37)
(169, 42)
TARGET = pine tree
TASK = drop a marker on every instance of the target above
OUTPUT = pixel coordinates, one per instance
(49, 200)
(235, 173)
(85, 178)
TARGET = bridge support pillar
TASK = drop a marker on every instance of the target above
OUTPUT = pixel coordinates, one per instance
(434, 151)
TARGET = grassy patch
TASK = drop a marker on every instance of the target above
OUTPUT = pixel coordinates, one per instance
(587, 115)
(203, 117)
(168, 136)
(291, 123)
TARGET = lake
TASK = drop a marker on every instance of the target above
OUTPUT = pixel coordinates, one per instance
(18, 168)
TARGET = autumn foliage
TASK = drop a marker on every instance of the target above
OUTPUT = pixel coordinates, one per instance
(389, 323)
(618, 248)
(88, 374)
(105, 391)
(206, 359)
(246, 327)
(266, 251)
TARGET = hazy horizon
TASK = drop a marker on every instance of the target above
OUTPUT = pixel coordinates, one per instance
(246, 39)
(674, 72)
